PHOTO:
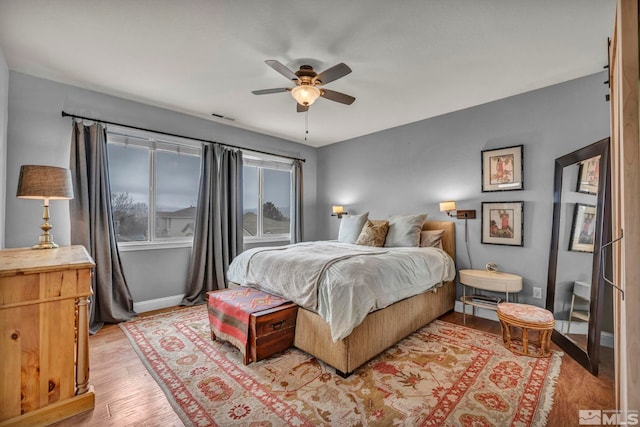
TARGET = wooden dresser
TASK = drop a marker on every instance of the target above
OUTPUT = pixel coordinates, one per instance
(44, 347)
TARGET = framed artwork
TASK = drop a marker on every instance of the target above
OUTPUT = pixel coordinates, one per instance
(502, 169)
(589, 175)
(583, 229)
(502, 223)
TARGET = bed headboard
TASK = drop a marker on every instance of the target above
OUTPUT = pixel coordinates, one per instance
(449, 236)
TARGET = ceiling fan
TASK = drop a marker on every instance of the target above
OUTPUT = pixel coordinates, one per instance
(307, 81)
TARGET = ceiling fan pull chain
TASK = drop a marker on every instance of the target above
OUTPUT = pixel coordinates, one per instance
(306, 124)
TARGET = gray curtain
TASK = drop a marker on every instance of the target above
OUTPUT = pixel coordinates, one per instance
(297, 226)
(218, 232)
(92, 226)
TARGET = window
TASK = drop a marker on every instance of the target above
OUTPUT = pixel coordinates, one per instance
(267, 199)
(154, 189)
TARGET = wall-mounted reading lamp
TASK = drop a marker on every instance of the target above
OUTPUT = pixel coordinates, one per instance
(449, 207)
(338, 211)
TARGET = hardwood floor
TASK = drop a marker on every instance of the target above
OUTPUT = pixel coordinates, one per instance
(127, 395)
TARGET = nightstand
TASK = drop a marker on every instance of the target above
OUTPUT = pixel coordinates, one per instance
(495, 281)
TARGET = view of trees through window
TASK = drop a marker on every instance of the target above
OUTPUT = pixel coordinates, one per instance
(271, 190)
(130, 217)
(154, 190)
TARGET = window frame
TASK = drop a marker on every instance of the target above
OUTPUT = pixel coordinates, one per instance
(153, 144)
(262, 162)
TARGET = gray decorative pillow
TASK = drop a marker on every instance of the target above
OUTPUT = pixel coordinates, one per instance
(431, 238)
(404, 230)
(373, 234)
(351, 226)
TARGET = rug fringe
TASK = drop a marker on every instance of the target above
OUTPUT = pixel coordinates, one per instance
(169, 395)
(546, 402)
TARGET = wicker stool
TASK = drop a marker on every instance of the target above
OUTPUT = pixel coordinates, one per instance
(528, 318)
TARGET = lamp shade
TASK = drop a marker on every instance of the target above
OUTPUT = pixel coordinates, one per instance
(305, 94)
(337, 209)
(447, 206)
(44, 182)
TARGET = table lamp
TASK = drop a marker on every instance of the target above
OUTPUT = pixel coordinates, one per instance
(45, 183)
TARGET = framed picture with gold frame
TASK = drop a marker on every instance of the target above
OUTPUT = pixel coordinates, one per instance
(502, 169)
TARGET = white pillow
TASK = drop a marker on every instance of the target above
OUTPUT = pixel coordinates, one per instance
(431, 238)
(351, 226)
(404, 230)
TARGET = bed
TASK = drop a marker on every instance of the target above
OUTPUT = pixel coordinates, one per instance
(379, 329)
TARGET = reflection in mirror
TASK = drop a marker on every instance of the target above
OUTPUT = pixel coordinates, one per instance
(575, 249)
(576, 291)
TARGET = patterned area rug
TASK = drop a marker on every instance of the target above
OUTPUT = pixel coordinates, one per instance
(442, 375)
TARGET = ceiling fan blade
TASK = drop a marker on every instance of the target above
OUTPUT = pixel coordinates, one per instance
(302, 108)
(333, 73)
(332, 95)
(282, 69)
(267, 91)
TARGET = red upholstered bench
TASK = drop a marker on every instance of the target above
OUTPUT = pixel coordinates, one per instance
(257, 323)
(528, 318)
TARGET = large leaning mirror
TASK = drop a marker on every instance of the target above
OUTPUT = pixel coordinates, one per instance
(581, 223)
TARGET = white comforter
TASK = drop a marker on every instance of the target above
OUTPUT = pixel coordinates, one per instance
(341, 282)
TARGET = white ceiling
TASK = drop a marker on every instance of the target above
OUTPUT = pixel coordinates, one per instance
(411, 59)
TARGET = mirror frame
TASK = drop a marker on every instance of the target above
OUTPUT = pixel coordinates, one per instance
(590, 358)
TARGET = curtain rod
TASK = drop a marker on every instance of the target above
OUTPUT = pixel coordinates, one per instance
(65, 114)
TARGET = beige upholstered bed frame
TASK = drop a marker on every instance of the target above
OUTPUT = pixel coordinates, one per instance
(382, 328)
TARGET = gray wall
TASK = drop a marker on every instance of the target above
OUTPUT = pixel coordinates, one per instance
(4, 101)
(407, 169)
(410, 169)
(37, 134)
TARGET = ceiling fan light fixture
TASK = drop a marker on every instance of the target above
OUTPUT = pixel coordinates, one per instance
(305, 94)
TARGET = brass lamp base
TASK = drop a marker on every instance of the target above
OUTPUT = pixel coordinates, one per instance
(48, 245)
(46, 239)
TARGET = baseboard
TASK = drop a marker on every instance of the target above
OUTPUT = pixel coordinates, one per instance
(157, 304)
(577, 327)
(480, 312)
(606, 338)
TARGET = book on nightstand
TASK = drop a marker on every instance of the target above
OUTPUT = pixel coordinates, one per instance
(486, 299)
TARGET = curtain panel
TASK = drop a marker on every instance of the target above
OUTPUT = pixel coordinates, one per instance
(92, 225)
(298, 195)
(218, 234)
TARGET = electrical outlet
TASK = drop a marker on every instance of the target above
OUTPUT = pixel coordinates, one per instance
(537, 293)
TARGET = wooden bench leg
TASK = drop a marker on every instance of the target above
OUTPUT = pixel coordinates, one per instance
(525, 341)
(506, 334)
(545, 342)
